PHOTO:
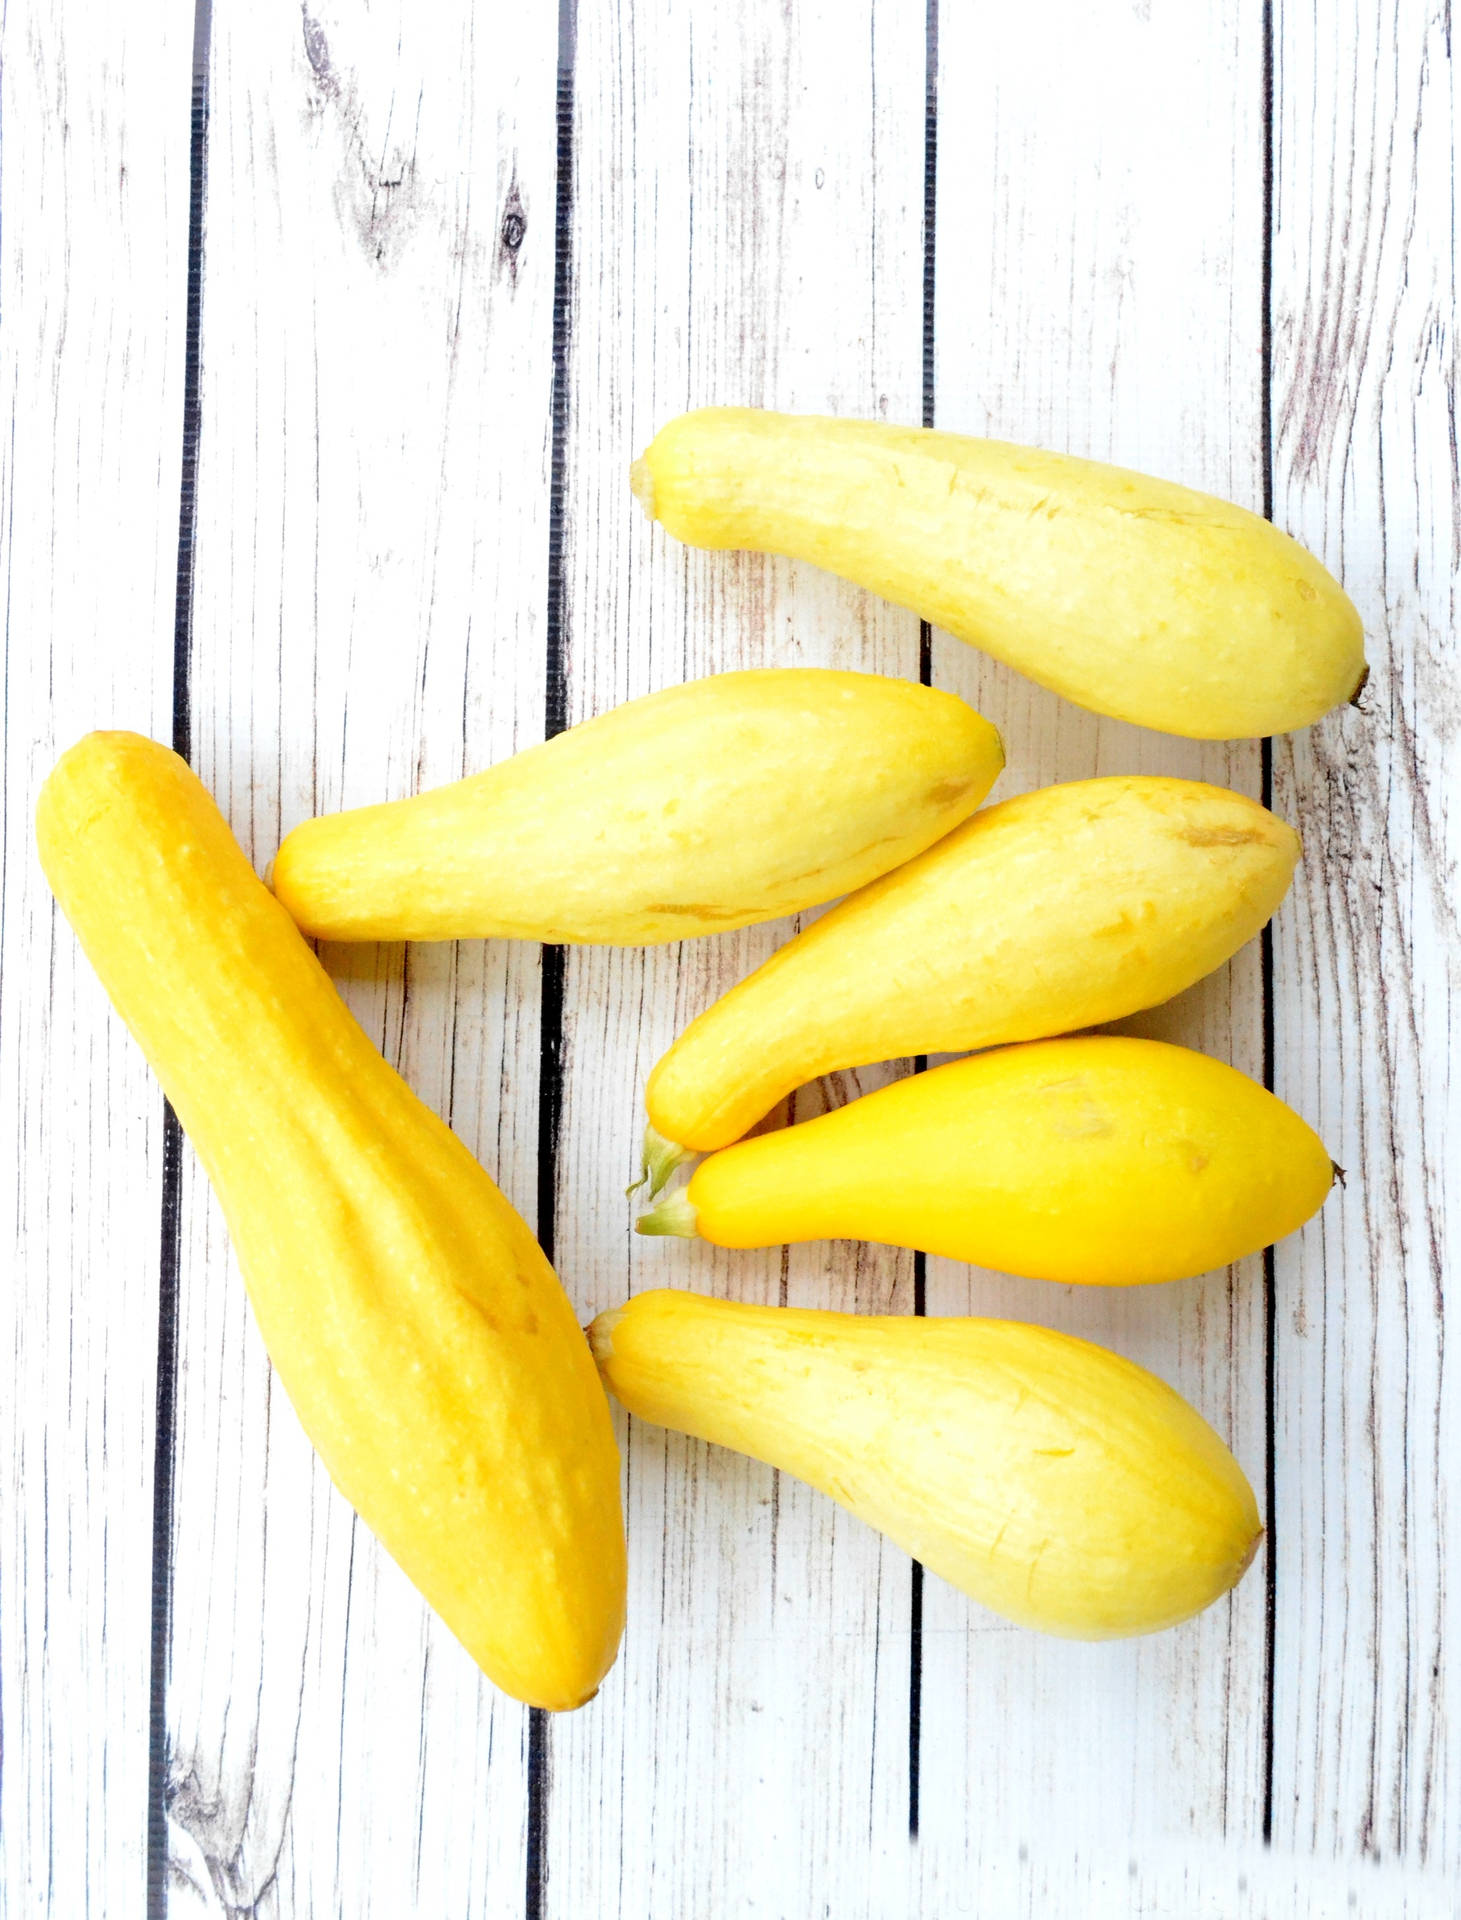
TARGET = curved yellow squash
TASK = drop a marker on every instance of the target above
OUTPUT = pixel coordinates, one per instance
(1128, 595)
(694, 810)
(1054, 911)
(1099, 1160)
(1052, 1481)
(428, 1348)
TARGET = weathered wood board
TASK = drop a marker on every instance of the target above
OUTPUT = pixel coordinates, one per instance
(764, 1680)
(93, 280)
(455, 268)
(1100, 291)
(369, 618)
(1367, 962)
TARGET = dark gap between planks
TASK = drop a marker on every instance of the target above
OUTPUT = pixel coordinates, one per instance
(555, 719)
(925, 674)
(170, 1236)
(1270, 1305)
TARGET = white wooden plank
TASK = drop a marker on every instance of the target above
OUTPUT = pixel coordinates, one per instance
(1099, 290)
(1367, 1726)
(1136, 1877)
(746, 227)
(93, 271)
(370, 595)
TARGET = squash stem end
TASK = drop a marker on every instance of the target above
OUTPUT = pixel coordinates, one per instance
(675, 1215)
(661, 1160)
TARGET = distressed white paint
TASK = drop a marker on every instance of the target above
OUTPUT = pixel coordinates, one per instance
(1099, 291)
(93, 263)
(747, 228)
(1138, 1877)
(369, 610)
(1368, 961)
(370, 616)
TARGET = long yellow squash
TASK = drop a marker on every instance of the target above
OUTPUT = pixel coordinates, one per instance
(1099, 1160)
(1129, 595)
(423, 1338)
(1053, 911)
(1057, 1483)
(694, 810)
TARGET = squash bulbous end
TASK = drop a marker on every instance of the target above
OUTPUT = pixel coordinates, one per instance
(574, 1705)
(601, 1335)
(1250, 1556)
(641, 485)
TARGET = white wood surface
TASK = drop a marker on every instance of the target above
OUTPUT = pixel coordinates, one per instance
(369, 610)
(765, 1626)
(741, 201)
(93, 265)
(1099, 291)
(1368, 960)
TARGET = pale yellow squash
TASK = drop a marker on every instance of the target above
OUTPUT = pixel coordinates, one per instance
(1052, 1481)
(423, 1338)
(1128, 595)
(690, 811)
(1099, 1160)
(1057, 910)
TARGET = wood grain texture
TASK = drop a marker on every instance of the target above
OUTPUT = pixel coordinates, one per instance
(746, 227)
(1141, 1877)
(1099, 291)
(1367, 1719)
(743, 213)
(93, 264)
(369, 606)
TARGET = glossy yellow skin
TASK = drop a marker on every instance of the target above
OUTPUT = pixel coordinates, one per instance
(694, 810)
(1058, 910)
(424, 1340)
(1099, 1160)
(1128, 595)
(1052, 1481)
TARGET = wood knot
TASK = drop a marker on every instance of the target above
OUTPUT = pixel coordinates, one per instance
(317, 50)
(512, 230)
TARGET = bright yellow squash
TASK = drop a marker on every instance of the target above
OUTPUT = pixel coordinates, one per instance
(1098, 1160)
(1128, 595)
(1052, 1481)
(424, 1340)
(694, 810)
(1057, 910)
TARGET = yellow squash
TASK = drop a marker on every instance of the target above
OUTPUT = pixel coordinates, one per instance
(1054, 911)
(1130, 596)
(1097, 1160)
(695, 810)
(428, 1348)
(1054, 1482)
